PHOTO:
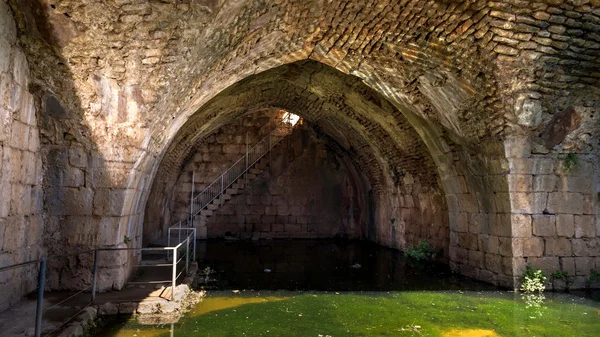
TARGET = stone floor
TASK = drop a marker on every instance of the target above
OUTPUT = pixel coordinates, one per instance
(61, 308)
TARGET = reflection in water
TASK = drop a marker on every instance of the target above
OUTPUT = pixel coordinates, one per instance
(534, 302)
(471, 333)
(211, 304)
(384, 297)
(419, 313)
(322, 265)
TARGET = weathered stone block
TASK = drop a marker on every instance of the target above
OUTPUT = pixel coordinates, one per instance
(520, 182)
(468, 241)
(528, 203)
(489, 243)
(579, 184)
(517, 147)
(19, 138)
(505, 246)
(593, 247)
(585, 226)
(501, 224)
(568, 265)
(565, 225)
(583, 265)
(579, 247)
(531, 166)
(533, 247)
(565, 202)
(544, 183)
(544, 225)
(558, 247)
(547, 264)
(521, 225)
(468, 203)
(109, 202)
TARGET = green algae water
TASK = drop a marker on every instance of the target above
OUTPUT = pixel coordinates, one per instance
(328, 295)
(447, 314)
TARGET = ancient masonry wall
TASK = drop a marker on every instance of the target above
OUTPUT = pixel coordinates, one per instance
(21, 224)
(315, 196)
(217, 152)
(555, 211)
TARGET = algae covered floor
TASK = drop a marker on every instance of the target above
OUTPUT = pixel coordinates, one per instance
(412, 313)
(354, 288)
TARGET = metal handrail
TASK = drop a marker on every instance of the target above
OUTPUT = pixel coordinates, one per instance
(215, 189)
(42, 272)
(251, 156)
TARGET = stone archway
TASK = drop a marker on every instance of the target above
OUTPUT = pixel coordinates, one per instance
(483, 84)
(412, 179)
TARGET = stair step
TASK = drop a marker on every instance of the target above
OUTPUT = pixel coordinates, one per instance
(240, 184)
(206, 212)
(254, 170)
(200, 221)
(226, 196)
(231, 191)
(250, 176)
(212, 207)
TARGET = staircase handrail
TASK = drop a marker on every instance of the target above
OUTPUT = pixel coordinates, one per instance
(218, 186)
(236, 170)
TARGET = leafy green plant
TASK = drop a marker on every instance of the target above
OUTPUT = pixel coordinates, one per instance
(207, 271)
(594, 277)
(571, 161)
(126, 239)
(562, 275)
(533, 280)
(421, 252)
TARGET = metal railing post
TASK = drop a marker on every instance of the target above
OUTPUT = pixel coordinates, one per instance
(192, 199)
(40, 298)
(194, 257)
(187, 254)
(95, 277)
(174, 274)
(246, 175)
(222, 190)
(179, 236)
(168, 241)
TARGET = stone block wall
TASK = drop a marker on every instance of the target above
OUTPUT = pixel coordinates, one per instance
(21, 223)
(316, 195)
(424, 214)
(555, 206)
(215, 154)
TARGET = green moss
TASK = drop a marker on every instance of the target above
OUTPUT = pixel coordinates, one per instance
(571, 161)
(422, 252)
(388, 314)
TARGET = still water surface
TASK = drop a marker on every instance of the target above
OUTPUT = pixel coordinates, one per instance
(328, 288)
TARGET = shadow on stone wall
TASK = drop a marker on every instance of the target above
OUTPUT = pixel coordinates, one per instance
(82, 198)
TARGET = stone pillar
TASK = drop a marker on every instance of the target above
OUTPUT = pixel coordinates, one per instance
(21, 224)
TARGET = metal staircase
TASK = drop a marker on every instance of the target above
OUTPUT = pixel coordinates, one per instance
(231, 181)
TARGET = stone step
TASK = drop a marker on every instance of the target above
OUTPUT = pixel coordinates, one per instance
(240, 184)
(206, 212)
(226, 196)
(254, 170)
(212, 207)
(250, 176)
(200, 221)
(231, 191)
(261, 166)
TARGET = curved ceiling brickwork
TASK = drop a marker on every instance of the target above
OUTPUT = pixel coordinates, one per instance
(492, 88)
(367, 128)
(452, 63)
